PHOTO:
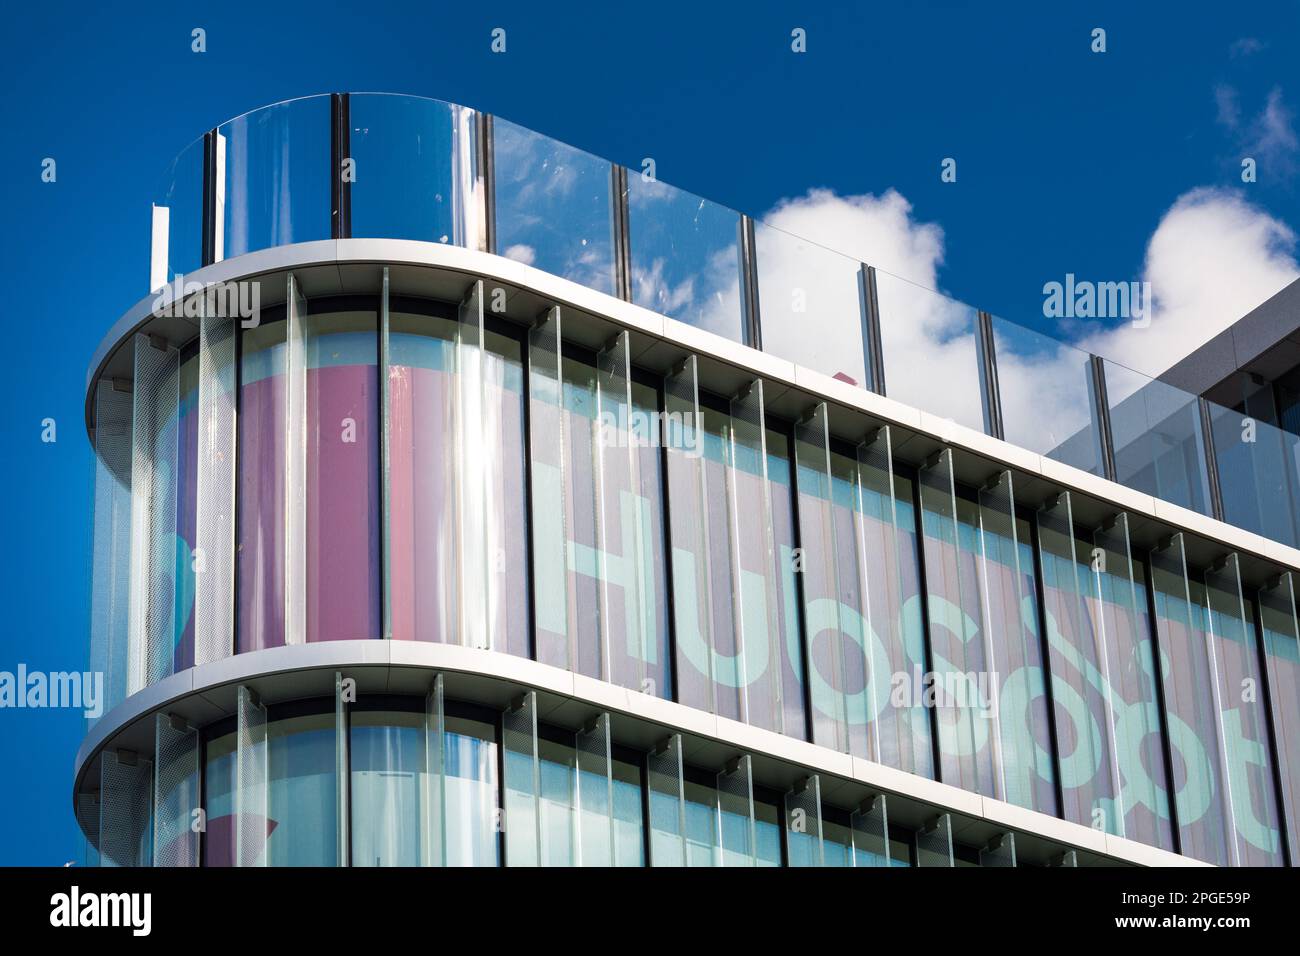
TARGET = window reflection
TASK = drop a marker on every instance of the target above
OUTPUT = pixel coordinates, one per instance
(554, 207)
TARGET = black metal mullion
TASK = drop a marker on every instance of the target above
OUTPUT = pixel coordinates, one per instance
(208, 225)
(1045, 650)
(752, 324)
(622, 242)
(871, 347)
(485, 172)
(340, 150)
(805, 654)
(992, 395)
(1101, 409)
(1165, 740)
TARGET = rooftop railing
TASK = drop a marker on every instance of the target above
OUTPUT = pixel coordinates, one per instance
(405, 167)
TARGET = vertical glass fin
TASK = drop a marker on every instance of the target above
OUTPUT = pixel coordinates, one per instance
(111, 563)
(869, 827)
(125, 789)
(175, 792)
(344, 689)
(1000, 851)
(214, 557)
(666, 792)
(692, 585)
(737, 839)
(156, 572)
(803, 823)
(523, 786)
(477, 538)
(823, 611)
(934, 842)
(295, 465)
(595, 794)
(435, 776)
(1282, 654)
(553, 602)
(252, 817)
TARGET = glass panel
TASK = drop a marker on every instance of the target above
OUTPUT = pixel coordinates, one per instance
(789, 648)
(178, 200)
(756, 575)
(634, 642)
(811, 305)
(296, 465)
(434, 851)
(554, 206)
(737, 839)
(263, 490)
(701, 560)
(1282, 653)
(1019, 724)
(1047, 396)
(1190, 712)
(252, 819)
(1242, 720)
(477, 537)
(594, 783)
(685, 256)
(957, 627)
(175, 792)
(869, 824)
(158, 561)
(1156, 430)
(214, 538)
(803, 814)
(666, 795)
(1080, 689)
(110, 599)
(273, 177)
(423, 394)
(525, 834)
(915, 751)
(344, 690)
(824, 614)
(342, 472)
(414, 168)
(1118, 602)
(389, 778)
(124, 809)
(470, 785)
(1257, 469)
(552, 586)
(934, 842)
(920, 329)
(629, 827)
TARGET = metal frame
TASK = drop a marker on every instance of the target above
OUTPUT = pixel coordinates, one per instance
(1101, 410)
(340, 150)
(991, 394)
(750, 317)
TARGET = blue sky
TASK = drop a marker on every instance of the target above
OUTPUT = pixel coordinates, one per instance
(1068, 161)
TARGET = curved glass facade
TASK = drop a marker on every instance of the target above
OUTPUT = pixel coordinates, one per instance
(387, 467)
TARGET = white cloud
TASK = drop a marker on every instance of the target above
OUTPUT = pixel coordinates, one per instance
(1211, 259)
(521, 253)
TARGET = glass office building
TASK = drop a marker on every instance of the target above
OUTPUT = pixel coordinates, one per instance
(464, 499)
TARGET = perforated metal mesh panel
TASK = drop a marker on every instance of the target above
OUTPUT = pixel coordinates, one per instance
(125, 788)
(110, 617)
(88, 820)
(523, 787)
(295, 464)
(934, 842)
(477, 537)
(869, 827)
(251, 781)
(154, 463)
(803, 823)
(595, 794)
(737, 840)
(175, 792)
(553, 604)
(435, 793)
(215, 491)
(667, 794)
(1000, 852)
